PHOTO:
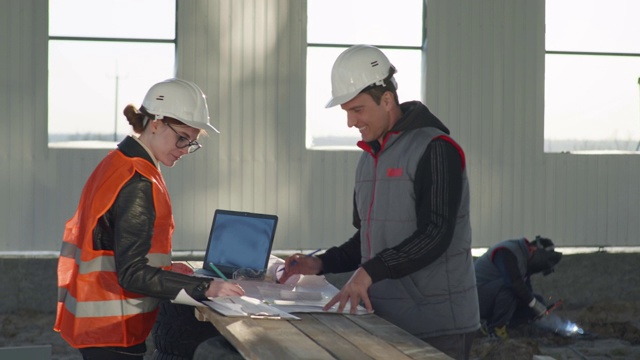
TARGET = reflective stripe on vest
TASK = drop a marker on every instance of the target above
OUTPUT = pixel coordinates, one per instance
(107, 263)
(107, 308)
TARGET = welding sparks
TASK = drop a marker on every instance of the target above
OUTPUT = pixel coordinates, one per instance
(572, 328)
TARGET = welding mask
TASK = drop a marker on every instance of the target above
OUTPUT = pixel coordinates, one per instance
(544, 258)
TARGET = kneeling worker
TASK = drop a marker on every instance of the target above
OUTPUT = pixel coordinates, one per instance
(503, 279)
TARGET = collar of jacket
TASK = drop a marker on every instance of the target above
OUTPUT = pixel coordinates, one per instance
(414, 115)
(131, 148)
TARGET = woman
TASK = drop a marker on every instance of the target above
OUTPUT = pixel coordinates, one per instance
(115, 263)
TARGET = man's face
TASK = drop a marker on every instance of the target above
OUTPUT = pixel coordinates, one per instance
(372, 120)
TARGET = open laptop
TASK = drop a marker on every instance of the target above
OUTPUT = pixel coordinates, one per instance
(238, 240)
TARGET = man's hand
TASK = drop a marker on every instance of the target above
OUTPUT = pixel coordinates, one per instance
(538, 308)
(300, 264)
(356, 289)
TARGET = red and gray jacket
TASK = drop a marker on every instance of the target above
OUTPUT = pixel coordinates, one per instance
(414, 239)
(507, 262)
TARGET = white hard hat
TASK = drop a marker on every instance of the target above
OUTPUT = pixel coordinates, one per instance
(356, 68)
(181, 100)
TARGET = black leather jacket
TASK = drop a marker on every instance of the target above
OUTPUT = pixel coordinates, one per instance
(127, 228)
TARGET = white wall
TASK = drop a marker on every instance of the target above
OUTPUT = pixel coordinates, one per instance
(485, 78)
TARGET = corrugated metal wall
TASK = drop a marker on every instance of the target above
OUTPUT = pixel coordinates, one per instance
(485, 80)
(23, 110)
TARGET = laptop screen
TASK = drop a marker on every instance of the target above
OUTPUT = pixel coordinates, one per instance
(241, 239)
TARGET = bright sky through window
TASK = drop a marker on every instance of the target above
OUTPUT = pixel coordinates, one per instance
(96, 68)
(332, 26)
(592, 74)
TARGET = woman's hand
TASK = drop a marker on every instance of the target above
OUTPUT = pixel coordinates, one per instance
(224, 288)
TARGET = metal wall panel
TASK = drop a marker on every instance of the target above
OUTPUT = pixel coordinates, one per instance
(21, 79)
(250, 61)
(485, 80)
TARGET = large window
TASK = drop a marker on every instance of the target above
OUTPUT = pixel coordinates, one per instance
(592, 76)
(104, 55)
(332, 26)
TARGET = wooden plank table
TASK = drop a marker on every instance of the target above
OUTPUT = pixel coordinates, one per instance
(320, 336)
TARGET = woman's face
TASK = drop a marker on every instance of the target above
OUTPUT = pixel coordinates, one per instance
(164, 138)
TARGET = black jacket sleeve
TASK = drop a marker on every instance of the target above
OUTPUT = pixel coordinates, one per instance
(345, 257)
(131, 219)
(507, 263)
(438, 190)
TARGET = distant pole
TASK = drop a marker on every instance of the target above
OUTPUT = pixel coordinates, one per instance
(115, 124)
(638, 146)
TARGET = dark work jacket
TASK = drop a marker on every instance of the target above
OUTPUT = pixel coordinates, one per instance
(127, 229)
(517, 279)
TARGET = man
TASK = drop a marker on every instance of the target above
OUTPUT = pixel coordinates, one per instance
(412, 249)
(503, 276)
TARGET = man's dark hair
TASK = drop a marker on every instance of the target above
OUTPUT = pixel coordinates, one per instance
(376, 91)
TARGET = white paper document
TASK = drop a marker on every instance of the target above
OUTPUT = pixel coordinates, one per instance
(270, 300)
(245, 306)
(309, 295)
(184, 299)
(306, 306)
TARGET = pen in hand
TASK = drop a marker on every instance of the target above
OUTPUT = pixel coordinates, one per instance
(293, 263)
(218, 271)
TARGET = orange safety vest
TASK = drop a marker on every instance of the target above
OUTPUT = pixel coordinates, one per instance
(93, 309)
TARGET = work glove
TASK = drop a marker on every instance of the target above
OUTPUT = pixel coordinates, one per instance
(539, 309)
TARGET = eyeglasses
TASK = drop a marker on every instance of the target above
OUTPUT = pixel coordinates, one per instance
(183, 142)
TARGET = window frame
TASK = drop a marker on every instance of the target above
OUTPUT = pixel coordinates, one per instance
(84, 143)
(612, 145)
(348, 143)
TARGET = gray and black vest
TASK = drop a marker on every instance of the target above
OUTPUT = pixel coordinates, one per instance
(441, 298)
(487, 271)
